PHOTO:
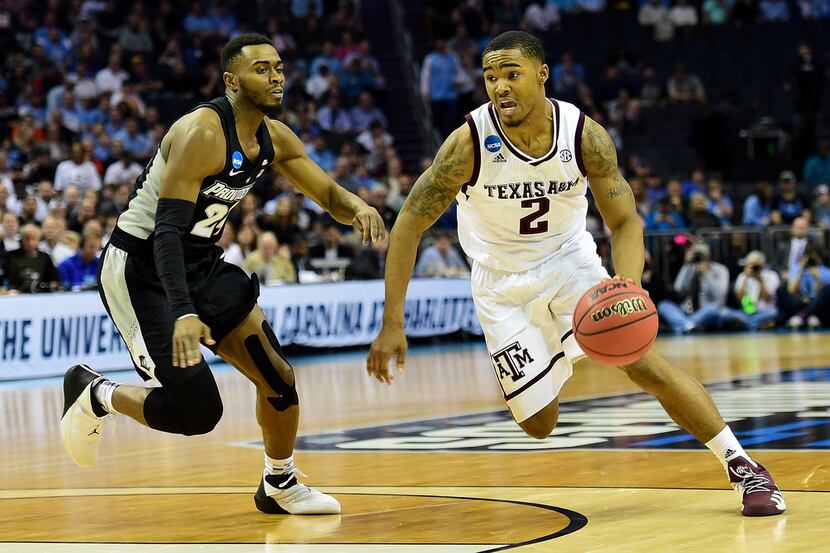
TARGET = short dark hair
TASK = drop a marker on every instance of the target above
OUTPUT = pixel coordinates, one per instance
(528, 44)
(233, 49)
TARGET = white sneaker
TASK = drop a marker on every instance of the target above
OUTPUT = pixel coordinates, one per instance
(795, 322)
(813, 321)
(80, 426)
(283, 494)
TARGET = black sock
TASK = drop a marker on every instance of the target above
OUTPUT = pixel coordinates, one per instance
(97, 408)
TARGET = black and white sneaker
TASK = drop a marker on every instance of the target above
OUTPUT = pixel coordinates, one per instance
(282, 494)
(83, 418)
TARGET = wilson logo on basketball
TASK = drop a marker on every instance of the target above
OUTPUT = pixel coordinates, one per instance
(623, 308)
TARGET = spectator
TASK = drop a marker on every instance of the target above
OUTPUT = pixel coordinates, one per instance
(568, 76)
(53, 230)
(369, 263)
(365, 112)
(11, 225)
(355, 80)
(774, 10)
(332, 117)
(344, 174)
(682, 14)
(788, 203)
(542, 16)
(123, 171)
(134, 140)
(246, 238)
(699, 214)
(807, 295)
(44, 198)
(111, 77)
(591, 6)
(27, 268)
(117, 202)
(284, 222)
(321, 82)
(77, 171)
(789, 253)
(271, 262)
(683, 87)
(29, 211)
(461, 44)
(715, 12)
(330, 248)
(758, 206)
(86, 212)
(326, 58)
(438, 76)
(664, 218)
(807, 82)
(398, 197)
(321, 155)
(651, 91)
(719, 204)
(374, 139)
(703, 285)
(755, 290)
(79, 271)
(656, 15)
(695, 183)
(821, 206)
(441, 259)
(678, 201)
(817, 166)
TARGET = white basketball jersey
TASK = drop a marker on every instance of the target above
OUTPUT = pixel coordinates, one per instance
(518, 211)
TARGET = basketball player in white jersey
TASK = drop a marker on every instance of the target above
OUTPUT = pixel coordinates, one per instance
(519, 169)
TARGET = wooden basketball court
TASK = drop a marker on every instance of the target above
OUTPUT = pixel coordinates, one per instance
(433, 463)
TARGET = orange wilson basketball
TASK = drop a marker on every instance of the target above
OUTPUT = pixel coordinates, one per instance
(615, 322)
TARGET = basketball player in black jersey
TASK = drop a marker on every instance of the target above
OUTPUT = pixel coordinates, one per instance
(167, 289)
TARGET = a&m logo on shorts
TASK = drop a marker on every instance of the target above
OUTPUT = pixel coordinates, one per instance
(236, 159)
(492, 143)
(511, 360)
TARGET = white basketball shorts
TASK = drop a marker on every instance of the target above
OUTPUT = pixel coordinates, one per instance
(526, 318)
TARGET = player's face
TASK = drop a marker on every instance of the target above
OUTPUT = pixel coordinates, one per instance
(259, 73)
(515, 84)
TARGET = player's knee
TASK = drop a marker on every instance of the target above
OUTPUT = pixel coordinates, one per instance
(542, 424)
(202, 419)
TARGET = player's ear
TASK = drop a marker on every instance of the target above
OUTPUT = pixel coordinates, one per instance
(542, 74)
(230, 81)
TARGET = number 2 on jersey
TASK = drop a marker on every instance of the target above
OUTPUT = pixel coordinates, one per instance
(216, 215)
(528, 224)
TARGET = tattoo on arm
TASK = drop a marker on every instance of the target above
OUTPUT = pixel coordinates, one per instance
(598, 151)
(620, 189)
(438, 186)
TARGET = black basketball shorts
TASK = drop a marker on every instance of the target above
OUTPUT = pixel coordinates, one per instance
(134, 297)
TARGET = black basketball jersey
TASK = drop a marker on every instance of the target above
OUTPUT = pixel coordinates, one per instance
(218, 193)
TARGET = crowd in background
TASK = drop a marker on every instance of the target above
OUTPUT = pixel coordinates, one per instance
(89, 87)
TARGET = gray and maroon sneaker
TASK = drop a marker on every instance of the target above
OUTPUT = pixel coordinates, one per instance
(760, 497)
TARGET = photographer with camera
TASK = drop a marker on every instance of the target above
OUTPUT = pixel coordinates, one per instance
(755, 289)
(702, 285)
(807, 294)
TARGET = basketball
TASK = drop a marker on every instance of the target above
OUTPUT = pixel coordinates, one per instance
(615, 322)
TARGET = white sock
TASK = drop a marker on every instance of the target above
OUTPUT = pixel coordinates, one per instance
(278, 466)
(103, 393)
(725, 446)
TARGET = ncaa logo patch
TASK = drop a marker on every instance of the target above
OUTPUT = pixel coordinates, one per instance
(565, 156)
(236, 159)
(492, 143)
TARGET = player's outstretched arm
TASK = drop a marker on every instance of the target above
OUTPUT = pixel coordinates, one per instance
(433, 192)
(614, 199)
(194, 148)
(293, 162)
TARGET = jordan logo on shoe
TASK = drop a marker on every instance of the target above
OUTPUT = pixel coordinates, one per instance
(94, 431)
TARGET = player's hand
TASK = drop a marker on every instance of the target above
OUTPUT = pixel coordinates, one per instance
(391, 341)
(186, 336)
(369, 223)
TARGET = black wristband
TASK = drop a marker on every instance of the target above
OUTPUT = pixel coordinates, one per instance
(172, 221)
